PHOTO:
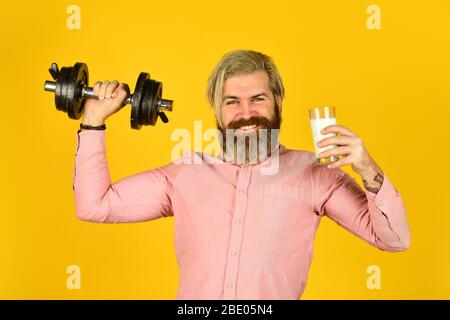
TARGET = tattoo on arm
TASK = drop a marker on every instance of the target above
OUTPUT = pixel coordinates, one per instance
(379, 179)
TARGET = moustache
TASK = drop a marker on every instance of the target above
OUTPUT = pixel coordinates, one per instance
(261, 121)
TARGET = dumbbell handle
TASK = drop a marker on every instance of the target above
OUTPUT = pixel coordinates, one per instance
(163, 104)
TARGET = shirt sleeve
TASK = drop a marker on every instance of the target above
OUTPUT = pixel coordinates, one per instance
(140, 197)
(379, 219)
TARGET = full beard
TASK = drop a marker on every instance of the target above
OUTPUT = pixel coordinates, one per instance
(252, 146)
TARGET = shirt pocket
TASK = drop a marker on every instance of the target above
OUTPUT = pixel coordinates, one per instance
(282, 206)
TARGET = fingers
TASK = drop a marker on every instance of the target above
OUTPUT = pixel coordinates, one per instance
(97, 87)
(335, 151)
(341, 140)
(102, 90)
(338, 129)
(111, 88)
(122, 92)
(340, 163)
(105, 89)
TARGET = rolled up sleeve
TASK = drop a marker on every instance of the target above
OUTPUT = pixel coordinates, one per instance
(140, 197)
(379, 219)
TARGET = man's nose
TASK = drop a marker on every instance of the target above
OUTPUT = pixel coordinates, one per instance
(246, 109)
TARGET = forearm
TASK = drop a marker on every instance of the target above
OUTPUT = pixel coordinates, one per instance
(380, 218)
(388, 218)
(386, 210)
(372, 178)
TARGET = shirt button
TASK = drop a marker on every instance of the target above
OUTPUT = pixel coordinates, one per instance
(238, 221)
(233, 253)
(380, 203)
(241, 191)
(229, 285)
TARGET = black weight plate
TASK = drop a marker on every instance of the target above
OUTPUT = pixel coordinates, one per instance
(137, 99)
(152, 112)
(60, 96)
(141, 116)
(65, 88)
(58, 91)
(83, 81)
(70, 94)
(146, 105)
(157, 98)
(77, 80)
(149, 107)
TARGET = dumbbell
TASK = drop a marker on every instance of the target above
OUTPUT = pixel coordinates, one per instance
(71, 90)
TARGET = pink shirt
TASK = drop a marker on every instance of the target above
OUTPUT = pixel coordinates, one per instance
(239, 234)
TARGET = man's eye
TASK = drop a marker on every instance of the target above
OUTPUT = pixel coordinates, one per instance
(230, 102)
(259, 99)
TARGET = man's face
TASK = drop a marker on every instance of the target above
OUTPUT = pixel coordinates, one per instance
(248, 100)
(248, 105)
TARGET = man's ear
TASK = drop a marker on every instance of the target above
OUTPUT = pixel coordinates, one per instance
(280, 103)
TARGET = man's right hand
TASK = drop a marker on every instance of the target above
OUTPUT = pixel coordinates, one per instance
(111, 98)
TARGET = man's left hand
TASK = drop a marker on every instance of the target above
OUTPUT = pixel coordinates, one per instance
(349, 145)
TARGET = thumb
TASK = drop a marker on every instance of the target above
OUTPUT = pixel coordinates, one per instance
(121, 94)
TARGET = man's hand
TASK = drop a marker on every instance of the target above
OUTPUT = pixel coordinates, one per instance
(111, 98)
(352, 148)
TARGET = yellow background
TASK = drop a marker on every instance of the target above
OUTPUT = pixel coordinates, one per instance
(390, 86)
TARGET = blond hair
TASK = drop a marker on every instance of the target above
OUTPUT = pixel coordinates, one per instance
(241, 62)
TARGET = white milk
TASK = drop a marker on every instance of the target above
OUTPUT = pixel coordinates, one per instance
(316, 126)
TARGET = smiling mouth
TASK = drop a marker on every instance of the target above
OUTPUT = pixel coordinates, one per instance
(248, 128)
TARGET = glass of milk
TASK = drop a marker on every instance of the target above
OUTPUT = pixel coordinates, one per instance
(320, 118)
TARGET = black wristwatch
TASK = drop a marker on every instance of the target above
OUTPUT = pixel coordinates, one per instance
(89, 127)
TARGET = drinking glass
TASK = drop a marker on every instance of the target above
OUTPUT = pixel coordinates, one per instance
(320, 118)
